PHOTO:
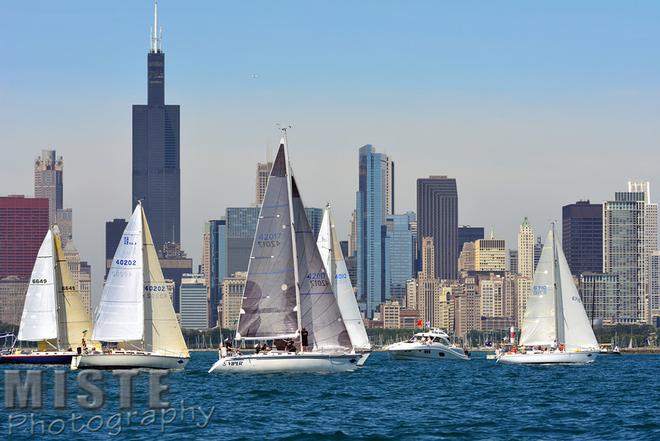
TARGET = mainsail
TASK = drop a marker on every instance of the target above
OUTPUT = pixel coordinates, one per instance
(539, 327)
(319, 310)
(268, 309)
(74, 320)
(39, 319)
(120, 315)
(162, 333)
(333, 258)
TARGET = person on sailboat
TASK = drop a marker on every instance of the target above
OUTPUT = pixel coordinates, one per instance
(305, 335)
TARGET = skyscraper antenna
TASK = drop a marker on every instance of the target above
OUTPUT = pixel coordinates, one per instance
(156, 34)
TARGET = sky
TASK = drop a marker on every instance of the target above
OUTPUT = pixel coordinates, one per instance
(529, 105)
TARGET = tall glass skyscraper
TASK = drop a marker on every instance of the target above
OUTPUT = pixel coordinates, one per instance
(398, 256)
(241, 225)
(582, 241)
(156, 145)
(374, 201)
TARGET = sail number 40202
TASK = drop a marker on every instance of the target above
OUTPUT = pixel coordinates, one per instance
(126, 262)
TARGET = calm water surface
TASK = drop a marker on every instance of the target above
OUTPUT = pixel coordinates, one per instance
(615, 398)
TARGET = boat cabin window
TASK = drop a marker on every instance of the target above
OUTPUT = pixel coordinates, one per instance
(441, 340)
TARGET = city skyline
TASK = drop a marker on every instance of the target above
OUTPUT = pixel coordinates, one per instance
(563, 120)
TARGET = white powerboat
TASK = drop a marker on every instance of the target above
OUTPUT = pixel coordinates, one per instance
(135, 317)
(555, 329)
(288, 295)
(430, 345)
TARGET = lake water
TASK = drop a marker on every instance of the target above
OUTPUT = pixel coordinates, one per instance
(614, 398)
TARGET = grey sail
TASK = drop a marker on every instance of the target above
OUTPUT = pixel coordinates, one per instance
(319, 310)
(269, 301)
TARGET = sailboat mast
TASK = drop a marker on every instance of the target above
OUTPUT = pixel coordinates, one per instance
(57, 284)
(293, 237)
(559, 305)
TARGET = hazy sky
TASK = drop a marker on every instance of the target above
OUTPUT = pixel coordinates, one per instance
(529, 105)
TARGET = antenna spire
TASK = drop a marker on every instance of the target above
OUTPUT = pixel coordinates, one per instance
(156, 34)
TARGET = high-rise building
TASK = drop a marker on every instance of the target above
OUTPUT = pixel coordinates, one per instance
(628, 242)
(466, 233)
(374, 201)
(175, 264)
(23, 226)
(466, 260)
(390, 314)
(582, 237)
(600, 297)
(64, 220)
(399, 256)
(352, 235)
(315, 217)
(232, 297)
(48, 182)
(526, 249)
(437, 217)
(85, 286)
(513, 261)
(490, 254)
(72, 257)
(412, 224)
(156, 150)
(12, 298)
(214, 261)
(241, 226)
(654, 286)
(114, 230)
(194, 305)
(263, 171)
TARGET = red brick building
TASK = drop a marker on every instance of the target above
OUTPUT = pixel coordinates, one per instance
(23, 225)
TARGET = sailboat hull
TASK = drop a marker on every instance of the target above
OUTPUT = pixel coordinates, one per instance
(273, 362)
(547, 358)
(128, 361)
(38, 358)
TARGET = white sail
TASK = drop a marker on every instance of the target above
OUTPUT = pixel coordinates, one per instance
(120, 315)
(333, 258)
(578, 333)
(39, 319)
(162, 333)
(539, 327)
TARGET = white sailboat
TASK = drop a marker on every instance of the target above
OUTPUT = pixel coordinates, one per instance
(333, 259)
(136, 311)
(288, 294)
(555, 328)
(53, 313)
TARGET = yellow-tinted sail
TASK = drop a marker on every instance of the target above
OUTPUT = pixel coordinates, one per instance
(162, 333)
(74, 323)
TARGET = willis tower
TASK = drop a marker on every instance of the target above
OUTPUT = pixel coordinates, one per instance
(156, 147)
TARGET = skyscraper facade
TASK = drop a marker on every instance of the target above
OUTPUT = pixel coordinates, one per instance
(582, 236)
(399, 256)
(525, 265)
(156, 147)
(263, 171)
(626, 251)
(193, 305)
(490, 254)
(373, 204)
(23, 226)
(437, 217)
(49, 182)
(241, 223)
(315, 217)
(214, 265)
